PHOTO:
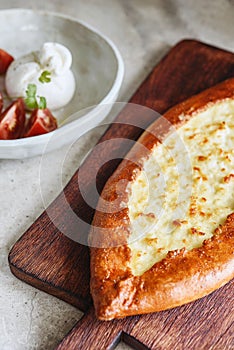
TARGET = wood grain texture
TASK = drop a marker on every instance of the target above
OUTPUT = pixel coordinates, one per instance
(198, 325)
(100, 335)
(207, 323)
(48, 260)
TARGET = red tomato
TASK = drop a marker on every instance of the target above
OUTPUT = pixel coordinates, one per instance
(1, 102)
(12, 121)
(41, 122)
(5, 60)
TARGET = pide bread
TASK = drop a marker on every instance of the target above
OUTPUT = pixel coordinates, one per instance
(163, 231)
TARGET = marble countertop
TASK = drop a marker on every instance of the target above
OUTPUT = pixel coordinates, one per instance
(143, 32)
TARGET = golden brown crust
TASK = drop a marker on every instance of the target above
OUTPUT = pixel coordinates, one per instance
(182, 276)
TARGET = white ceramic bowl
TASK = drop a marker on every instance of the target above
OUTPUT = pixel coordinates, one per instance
(97, 65)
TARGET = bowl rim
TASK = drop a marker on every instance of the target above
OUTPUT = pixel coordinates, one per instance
(42, 139)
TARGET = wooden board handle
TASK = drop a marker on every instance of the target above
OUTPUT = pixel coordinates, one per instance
(91, 334)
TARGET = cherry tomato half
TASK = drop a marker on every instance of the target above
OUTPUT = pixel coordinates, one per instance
(40, 122)
(12, 121)
(5, 60)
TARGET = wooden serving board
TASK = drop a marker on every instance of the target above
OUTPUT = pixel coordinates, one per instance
(48, 260)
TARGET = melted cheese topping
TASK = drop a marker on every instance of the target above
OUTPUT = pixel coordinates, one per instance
(185, 190)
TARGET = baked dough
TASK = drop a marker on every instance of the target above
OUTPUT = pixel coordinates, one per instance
(163, 231)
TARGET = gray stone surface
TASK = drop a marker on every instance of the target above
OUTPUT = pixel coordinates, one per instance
(143, 31)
